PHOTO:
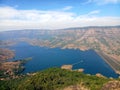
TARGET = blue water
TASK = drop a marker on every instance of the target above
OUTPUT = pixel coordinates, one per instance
(44, 57)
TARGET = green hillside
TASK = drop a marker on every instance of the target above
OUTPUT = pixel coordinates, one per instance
(55, 79)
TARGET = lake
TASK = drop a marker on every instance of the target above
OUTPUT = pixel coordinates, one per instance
(44, 57)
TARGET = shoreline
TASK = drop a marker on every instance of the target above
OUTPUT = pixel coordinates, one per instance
(110, 61)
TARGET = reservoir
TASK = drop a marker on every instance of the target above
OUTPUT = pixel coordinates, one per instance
(44, 57)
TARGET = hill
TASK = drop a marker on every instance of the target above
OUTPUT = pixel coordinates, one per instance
(60, 79)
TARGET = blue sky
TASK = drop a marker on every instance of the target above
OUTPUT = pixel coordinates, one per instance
(56, 14)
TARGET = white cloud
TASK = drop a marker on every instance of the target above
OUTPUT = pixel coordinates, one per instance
(11, 19)
(90, 14)
(102, 2)
(94, 12)
(67, 8)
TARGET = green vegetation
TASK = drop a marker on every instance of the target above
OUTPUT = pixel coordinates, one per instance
(52, 79)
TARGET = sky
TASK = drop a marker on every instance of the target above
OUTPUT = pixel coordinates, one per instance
(58, 14)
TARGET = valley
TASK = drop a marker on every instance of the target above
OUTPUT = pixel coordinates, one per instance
(102, 39)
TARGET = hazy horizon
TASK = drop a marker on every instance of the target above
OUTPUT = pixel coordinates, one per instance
(61, 28)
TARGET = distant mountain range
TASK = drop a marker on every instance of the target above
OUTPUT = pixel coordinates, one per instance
(88, 27)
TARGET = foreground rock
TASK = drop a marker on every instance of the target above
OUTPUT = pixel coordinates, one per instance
(67, 67)
(80, 70)
(76, 87)
(111, 85)
(100, 75)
